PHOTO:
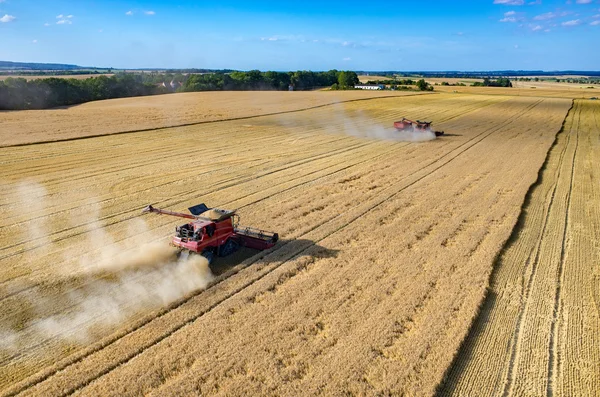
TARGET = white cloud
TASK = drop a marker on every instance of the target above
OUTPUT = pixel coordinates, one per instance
(574, 22)
(34, 41)
(7, 18)
(509, 19)
(583, 1)
(595, 23)
(129, 12)
(508, 14)
(64, 19)
(510, 2)
(536, 28)
(149, 12)
(100, 30)
(347, 59)
(46, 24)
(545, 16)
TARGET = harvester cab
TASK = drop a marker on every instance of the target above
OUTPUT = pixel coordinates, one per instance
(214, 231)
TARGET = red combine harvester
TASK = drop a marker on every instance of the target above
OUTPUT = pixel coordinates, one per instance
(415, 126)
(213, 232)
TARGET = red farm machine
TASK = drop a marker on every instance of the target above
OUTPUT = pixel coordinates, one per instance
(214, 231)
(415, 126)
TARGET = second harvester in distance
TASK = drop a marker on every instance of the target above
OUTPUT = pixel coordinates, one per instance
(214, 231)
(415, 126)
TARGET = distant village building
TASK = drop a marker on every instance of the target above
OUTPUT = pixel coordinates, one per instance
(370, 87)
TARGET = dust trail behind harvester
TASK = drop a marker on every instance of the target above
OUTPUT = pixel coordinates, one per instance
(359, 124)
(86, 295)
(142, 281)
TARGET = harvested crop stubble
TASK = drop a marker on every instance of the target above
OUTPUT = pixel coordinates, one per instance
(385, 253)
(538, 332)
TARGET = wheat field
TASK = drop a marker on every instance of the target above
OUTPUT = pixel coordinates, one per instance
(140, 114)
(387, 247)
(538, 332)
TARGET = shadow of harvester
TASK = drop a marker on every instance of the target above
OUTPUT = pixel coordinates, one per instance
(283, 251)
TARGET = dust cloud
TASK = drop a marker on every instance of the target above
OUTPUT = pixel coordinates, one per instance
(358, 124)
(96, 289)
(151, 285)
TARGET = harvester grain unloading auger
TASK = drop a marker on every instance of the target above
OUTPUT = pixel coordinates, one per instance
(214, 231)
(415, 126)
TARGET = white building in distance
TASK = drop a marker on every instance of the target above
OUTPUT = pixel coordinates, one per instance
(370, 87)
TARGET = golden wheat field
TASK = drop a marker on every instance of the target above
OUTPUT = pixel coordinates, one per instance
(464, 265)
(141, 114)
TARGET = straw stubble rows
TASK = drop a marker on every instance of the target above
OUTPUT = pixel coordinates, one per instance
(538, 330)
(385, 254)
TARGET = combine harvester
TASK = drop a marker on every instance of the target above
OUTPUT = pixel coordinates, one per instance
(214, 232)
(415, 126)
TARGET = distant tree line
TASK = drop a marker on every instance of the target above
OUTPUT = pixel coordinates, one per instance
(403, 84)
(487, 82)
(580, 80)
(393, 82)
(491, 73)
(19, 93)
(459, 84)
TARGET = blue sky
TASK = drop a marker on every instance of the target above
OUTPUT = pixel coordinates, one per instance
(316, 35)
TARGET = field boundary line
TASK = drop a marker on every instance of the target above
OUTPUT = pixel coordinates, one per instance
(212, 121)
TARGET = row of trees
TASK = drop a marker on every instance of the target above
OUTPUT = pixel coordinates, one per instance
(576, 80)
(393, 82)
(487, 82)
(19, 93)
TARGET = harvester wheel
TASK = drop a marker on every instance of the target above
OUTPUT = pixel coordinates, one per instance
(229, 247)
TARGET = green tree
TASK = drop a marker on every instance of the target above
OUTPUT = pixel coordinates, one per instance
(347, 79)
(424, 86)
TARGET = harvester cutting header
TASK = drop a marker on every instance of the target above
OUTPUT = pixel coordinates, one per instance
(415, 126)
(214, 231)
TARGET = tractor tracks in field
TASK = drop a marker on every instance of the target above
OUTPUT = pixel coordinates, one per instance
(507, 376)
(319, 233)
(224, 184)
(553, 350)
(533, 260)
